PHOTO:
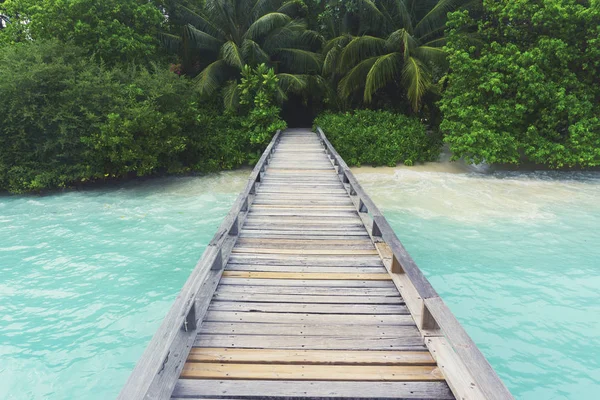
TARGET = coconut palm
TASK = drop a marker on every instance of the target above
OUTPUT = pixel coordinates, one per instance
(223, 36)
(399, 42)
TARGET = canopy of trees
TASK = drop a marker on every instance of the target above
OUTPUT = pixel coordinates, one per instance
(93, 89)
(527, 88)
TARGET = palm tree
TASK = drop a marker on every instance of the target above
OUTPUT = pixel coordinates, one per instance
(223, 36)
(399, 42)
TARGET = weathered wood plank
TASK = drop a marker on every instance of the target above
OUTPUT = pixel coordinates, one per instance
(311, 372)
(310, 342)
(335, 357)
(308, 290)
(340, 283)
(304, 269)
(485, 377)
(188, 388)
(321, 251)
(246, 328)
(305, 276)
(292, 259)
(301, 298)
(313, 308)
(335, 319)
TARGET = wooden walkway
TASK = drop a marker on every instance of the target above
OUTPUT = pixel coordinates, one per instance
(301, 300)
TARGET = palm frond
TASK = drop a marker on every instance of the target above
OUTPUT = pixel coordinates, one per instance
(265, 24)
(288, 35)
(369, 12)
(331, 60)
(294, 83)
(232, 55)
(300, 60)
(417, 80)
(199, 21)
(262, 7)
(293, 8)
(397, 13)
(428, 54)
(337, 42)
(171, 42)
(383, 72)
(360, 48)
(210, 78)
(355, 78)
(436, 17)
(253, 53)
(198, 39)
(401, 40)
(231, 95)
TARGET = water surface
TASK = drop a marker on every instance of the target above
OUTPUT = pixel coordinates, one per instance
(516, 256)
(86, 277)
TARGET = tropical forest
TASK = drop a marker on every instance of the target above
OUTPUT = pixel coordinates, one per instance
(100, 90)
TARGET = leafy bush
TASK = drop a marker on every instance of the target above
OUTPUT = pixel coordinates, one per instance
(113, 30)
(66, 119)
(258, 89)
(379, 138)
(531, 90)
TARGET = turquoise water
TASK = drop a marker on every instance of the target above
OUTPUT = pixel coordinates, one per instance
(516, 256)
(86, 277)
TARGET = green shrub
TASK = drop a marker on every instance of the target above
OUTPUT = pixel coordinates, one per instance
(258, 89)
(529, 91)
(66, 119)
(379, 138)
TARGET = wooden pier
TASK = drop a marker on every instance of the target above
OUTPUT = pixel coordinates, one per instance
(306, 292)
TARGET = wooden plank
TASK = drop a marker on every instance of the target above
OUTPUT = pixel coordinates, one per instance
(313, 308)
(305, 276)
(335, 319)
(483, 373)
(335, 357)
(305, 269)
(193, 388)
(289, 243)
(320, 330)
(310, 342)
(257, 250)
(457, 376)
(342, 283)
(302, 261)
(308, 290)
(318, 235)
(311, 372)
(301, 298)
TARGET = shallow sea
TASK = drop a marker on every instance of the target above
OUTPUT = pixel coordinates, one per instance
(86, 277)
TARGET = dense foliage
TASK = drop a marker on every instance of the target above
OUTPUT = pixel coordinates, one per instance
(379, 138)
(530, 89)
(218, 38)
(112, 30)
(66, 119)
(93, 89)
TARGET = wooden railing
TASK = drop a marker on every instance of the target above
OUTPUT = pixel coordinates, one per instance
(157, 371)
(467, 371)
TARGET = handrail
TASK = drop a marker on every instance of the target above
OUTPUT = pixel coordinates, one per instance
(159, 367)
(436, 316)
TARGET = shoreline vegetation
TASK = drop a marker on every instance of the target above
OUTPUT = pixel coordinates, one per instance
(96, 92)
